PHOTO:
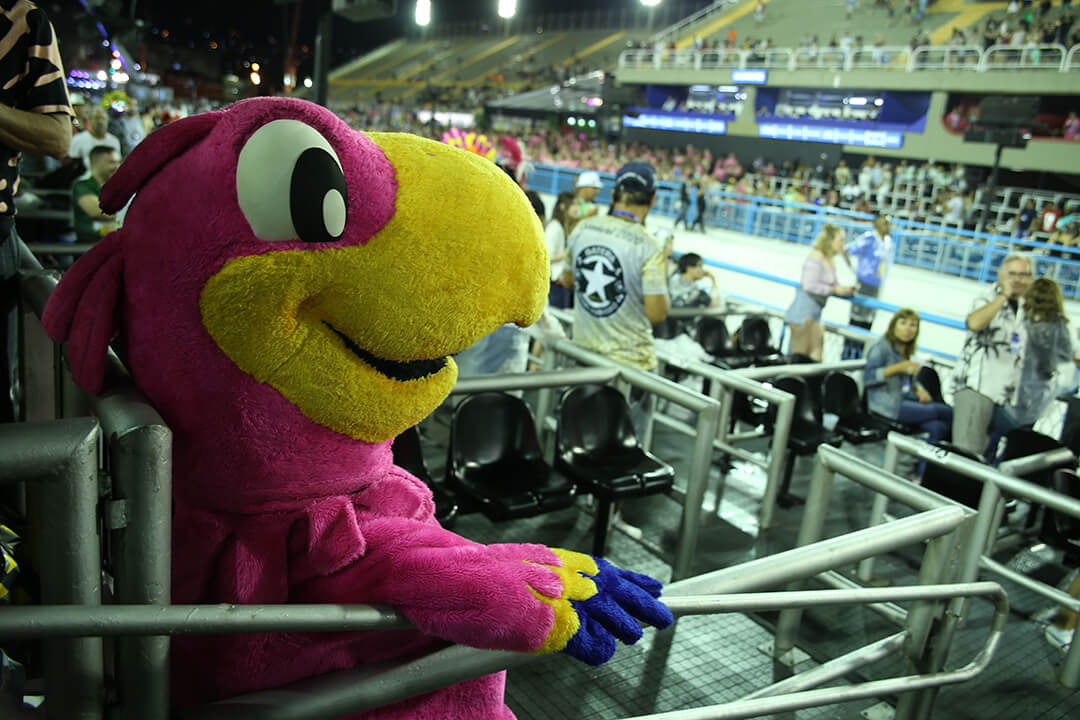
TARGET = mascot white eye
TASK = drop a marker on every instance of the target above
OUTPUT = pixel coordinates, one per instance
(290, 185)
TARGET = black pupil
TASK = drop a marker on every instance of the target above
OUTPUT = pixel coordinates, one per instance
(316, 173)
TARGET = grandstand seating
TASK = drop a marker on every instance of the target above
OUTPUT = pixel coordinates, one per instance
(500, 63)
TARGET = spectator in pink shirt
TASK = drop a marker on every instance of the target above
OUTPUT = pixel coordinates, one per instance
(1072, 127)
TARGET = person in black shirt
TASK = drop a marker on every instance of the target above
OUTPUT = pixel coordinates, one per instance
(35, 116)
(701, 208)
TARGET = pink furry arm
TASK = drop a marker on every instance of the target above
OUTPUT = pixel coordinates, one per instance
(452, 588)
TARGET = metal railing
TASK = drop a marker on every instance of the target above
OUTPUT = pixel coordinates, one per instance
(723, 590)
(937, 566)
(967, 58)
(136, 502)
(60, 462)
(682, 27)
(708, 418)
(995, 483)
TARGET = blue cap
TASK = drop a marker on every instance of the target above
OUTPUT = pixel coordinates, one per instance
(636, 177)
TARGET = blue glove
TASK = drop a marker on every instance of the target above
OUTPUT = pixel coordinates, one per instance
(622, 599)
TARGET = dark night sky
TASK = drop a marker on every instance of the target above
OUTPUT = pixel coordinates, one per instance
(209, 38)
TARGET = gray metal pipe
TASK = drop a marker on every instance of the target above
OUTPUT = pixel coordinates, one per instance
(691, 431)
(834, 669)
(696, 485)
(890, 611)
(799, 370)
(897, 488)
(978, 471)
(535, 380)
(59, 459)
(148, 620)
(141, 530)
(1028, 464)
(337, 694)
(808, 561)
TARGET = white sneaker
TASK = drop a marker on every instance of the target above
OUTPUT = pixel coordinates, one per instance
(632, 531)
(1059, 637)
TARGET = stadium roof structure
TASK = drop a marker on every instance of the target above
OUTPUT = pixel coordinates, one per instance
(583, 95)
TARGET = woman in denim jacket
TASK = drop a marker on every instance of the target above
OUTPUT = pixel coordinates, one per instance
(891, 388)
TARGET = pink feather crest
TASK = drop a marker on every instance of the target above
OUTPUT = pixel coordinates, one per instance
(83, 310)
(470, 142)
(153, 153)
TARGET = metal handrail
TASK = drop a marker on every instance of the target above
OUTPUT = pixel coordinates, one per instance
(1074, 54)
(920, 59)
(708, 418)
(689, 20)
(139, 506)
(349, 691)
(986, 62)
(994, 483)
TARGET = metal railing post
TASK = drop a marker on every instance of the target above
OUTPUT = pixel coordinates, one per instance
(778, 450)
(59, 461)
(140, 519)
(696, 485)
(813, 523)
(878, 509)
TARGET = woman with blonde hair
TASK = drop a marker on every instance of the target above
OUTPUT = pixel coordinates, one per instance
(892, 389)
(1046, 359)
(817, 283)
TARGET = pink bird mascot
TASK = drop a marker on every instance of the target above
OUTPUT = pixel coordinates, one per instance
(287, 292)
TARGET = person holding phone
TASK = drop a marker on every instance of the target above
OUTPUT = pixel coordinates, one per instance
(990, 361)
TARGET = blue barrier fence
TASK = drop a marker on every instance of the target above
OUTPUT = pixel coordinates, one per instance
(963, 253)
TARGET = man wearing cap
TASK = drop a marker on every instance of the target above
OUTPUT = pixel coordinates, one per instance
(586, 188)
(873, 253)
(617, 272)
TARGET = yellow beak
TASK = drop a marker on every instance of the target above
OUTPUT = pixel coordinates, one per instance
(357, 337)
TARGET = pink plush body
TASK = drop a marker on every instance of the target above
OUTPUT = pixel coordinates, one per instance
(269, 506)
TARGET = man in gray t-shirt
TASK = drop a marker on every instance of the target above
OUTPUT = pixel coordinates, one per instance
(617, 270)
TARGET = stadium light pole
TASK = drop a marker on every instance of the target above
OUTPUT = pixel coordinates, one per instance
(423, 12)
(507, 10)
(651, 4)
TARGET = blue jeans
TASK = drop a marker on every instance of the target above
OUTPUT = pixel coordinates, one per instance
(1001, 423)
(933, 418)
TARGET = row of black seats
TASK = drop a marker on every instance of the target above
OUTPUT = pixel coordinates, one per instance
(495, 465)
(1054, 528)
(838, 394)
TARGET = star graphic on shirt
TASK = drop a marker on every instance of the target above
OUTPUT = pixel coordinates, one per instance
(596, 280)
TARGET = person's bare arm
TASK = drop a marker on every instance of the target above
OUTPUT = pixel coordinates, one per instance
(656, 308)
(35, 132)
(90, 204)
(979, 318)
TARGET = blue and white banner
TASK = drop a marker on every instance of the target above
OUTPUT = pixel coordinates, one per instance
(836, 135)
(684, 123)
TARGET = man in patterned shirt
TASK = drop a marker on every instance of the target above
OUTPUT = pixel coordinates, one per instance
(990, 362)
(35, 116)
(618, 274)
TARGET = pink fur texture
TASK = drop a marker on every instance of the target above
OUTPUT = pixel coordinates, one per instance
(269, 506)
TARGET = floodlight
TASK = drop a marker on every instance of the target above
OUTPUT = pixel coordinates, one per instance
(507, 8)
(650, 3)
(423, 12)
